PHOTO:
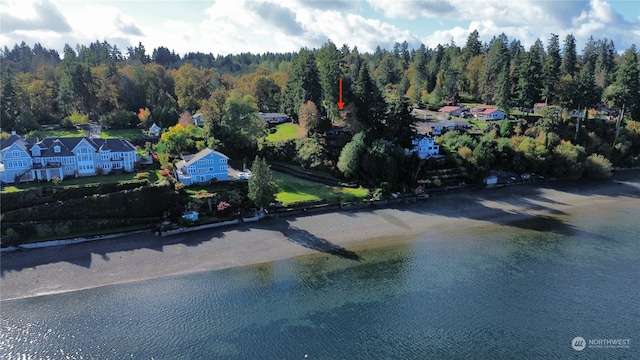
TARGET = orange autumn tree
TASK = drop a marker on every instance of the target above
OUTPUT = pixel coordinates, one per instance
(144, 115)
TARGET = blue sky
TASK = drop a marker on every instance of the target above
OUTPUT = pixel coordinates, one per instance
(257, 26)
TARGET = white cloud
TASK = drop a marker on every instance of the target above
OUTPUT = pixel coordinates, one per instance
(411, 9)
(257, 26)
(526, 20)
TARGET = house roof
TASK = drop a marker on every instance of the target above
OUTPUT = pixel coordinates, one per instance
(67, 144)
(48, 146)
(192, 159)
(116, 145)
(447, 109)
(155, 127)
(539, 105)
(197, 119)
(5, 143)
(272, 115)
(489, 111)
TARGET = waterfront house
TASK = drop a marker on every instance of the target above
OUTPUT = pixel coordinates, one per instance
(15, 160)
(273, 118)
(202, 167)
(32, 159)
(491, 114)
(425, 147)
(451, 110)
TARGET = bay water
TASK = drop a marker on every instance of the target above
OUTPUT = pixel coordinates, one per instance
(525, 290)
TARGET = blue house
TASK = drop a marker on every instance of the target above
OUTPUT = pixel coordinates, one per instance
(28, 159)
(202, 167)
(15, 160)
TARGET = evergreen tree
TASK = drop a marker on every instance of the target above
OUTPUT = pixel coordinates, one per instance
(473, 47)
(551, 69)
(351, 156)
(503, 95)
(589, 54)
(400, 128)
(303, 84)
(529, 82)
(370, 105)
(497, 59)
(262, 186)
(329, 70)
(626, 88)
(604, 63)
(570, 58)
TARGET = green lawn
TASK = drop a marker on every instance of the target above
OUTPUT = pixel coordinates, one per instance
(41, 134)
(286, 131)
(292, 190)
(126, 134)
(99, 179)
(479, 123)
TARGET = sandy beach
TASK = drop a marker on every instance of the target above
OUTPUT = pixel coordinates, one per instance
(144, 256)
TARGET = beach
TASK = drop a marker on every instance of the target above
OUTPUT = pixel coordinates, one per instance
(143, 256)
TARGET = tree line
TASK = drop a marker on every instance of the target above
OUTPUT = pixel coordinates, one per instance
(100, 83)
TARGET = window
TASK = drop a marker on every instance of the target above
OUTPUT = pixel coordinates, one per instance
(212, 169)
(84, 154)
(223, 160)
(202, 170)
(36, 151)
(223, 168)
(56, 149)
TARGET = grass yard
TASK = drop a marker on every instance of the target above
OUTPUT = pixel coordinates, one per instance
(292, 190)
(41, 134)
(479, 123)
(98, 179)
(286, 131)
(126, 134)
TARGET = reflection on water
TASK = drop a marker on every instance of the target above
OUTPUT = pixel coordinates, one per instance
(521, 290)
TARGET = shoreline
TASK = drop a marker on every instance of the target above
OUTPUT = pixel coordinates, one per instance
(143, 256)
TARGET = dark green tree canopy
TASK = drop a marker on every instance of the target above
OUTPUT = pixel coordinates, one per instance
(262, 186)
(303, 84)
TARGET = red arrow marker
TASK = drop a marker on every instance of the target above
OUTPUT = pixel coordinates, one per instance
(340, 103)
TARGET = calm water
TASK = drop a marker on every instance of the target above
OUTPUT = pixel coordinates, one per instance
(524, 290)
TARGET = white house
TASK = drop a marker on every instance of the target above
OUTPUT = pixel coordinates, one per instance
(202, 167)
(30, 159)
(491, 114)
(451, 110)
(425, 147)
(274, 118)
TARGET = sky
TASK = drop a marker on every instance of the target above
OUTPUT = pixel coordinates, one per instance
(224, 27)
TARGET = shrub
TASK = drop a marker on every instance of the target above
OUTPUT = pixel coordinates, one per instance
(141, 175)
(597, 166)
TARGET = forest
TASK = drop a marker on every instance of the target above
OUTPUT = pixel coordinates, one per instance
(102, 84)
